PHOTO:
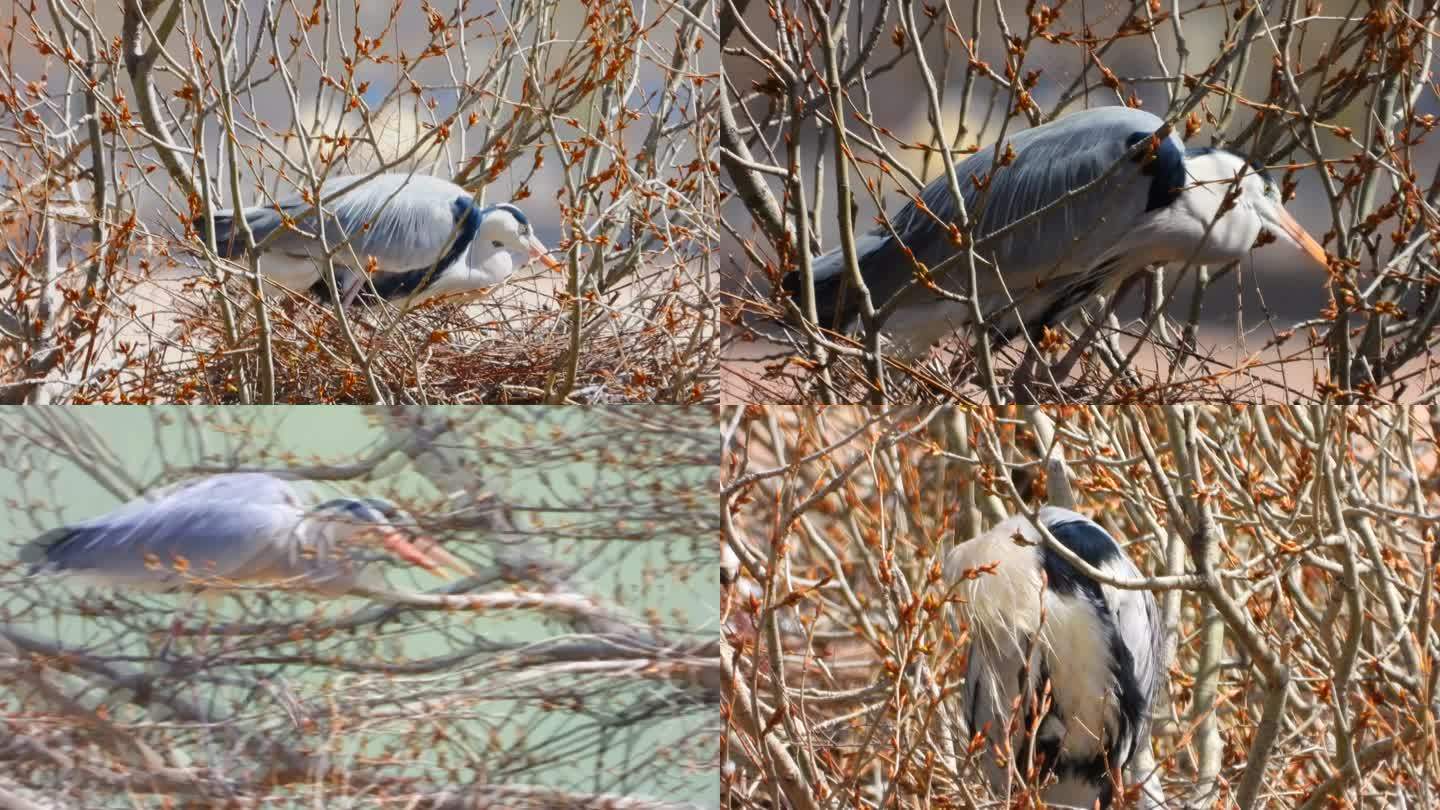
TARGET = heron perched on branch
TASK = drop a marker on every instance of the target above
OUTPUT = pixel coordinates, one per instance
(1062, 669)
(1070, 210)
(236, 530)
(426, 235)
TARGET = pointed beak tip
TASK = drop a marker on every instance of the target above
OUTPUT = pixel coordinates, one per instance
(1310, 248)
(447, 564)
(412, 552)
(1301, 238)
(452, 566)
(539, 252)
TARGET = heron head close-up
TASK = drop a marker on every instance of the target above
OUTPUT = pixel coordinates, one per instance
(504, 232)
(376, 521)
(1212, 177)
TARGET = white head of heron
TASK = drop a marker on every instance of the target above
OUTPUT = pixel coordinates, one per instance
(504, 233)
(1256, 205)
(362, 521)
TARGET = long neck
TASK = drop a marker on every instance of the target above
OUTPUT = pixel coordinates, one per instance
(1210, 166)
(316, 542)
(321, 555)
(468, 217)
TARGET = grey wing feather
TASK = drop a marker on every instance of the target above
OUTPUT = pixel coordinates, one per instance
(872, 250)
(1137, 617)
(1137, 624)
(410, 219)
(1050, 162)
(220, 526)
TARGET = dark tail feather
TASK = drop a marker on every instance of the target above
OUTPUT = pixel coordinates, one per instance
(389, 286)
(833, 295)
(228, 240)
(321, 291)
(45, 550)
(829, 297)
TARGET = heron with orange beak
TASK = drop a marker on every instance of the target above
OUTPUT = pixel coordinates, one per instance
(1065, 214)
(426, 236)
(237, 530)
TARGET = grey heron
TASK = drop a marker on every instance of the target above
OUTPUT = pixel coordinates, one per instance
(233, 530)
(1088, 655)
(1067, 218)
(426, 236)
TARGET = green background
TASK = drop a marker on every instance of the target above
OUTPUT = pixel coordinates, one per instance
(669, 577)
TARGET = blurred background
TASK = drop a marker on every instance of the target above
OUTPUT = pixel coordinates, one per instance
(291, 700)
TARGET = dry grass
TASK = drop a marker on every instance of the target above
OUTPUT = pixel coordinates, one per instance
(510, 345)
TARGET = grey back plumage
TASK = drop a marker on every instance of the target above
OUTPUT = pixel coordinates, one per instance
(1050, 161)
(1134, 617)
(1092, 649)
(410, 219)
(209, 526)
(216, 532)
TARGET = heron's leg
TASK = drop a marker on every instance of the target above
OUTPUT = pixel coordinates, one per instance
(187, 607)
(354, 283)
(201, 642)
(1024, 375)
(213, 600)
(1117, 780)
(1062, 369)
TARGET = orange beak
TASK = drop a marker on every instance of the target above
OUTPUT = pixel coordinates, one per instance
(448, 562)
(427, 554)
(1299, 236)
(539, 252)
